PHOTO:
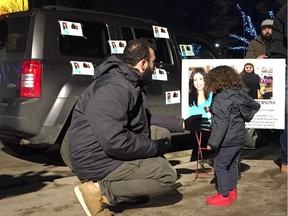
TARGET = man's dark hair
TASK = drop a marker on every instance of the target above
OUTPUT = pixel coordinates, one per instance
(135, 51)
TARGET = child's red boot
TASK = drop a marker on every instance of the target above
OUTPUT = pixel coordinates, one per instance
(233, 194)
(219, 200)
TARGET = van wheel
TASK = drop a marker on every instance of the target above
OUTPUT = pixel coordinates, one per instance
(64, 150)
(23, 150)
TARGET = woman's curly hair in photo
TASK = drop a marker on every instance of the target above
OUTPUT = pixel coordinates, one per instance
(223, 77)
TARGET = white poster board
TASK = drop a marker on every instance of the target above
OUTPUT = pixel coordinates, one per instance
(272, 71)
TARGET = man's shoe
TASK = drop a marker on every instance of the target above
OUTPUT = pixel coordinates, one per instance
(233, 194)
(284, 168)
(219, 200)
(91, 199)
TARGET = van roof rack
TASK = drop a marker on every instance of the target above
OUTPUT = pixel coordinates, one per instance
(62, 8)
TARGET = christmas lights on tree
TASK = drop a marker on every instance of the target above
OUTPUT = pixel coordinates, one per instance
(249, 29)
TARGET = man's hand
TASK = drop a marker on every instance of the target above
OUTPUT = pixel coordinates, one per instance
(210, 147)
(196, 122)
(164, 146)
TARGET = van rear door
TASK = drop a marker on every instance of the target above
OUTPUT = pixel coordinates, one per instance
(13, 42)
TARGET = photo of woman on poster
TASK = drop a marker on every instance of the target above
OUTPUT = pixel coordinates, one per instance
(199, 98)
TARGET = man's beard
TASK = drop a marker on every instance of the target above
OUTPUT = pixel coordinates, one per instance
(147, 75)
(267, 37)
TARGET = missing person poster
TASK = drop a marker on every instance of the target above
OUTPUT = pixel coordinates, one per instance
(71, 28)
(264, 80)
(117, 46)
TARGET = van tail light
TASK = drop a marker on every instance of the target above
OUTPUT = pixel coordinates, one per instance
(30, 78)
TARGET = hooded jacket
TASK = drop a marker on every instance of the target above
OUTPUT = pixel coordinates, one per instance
(230, 109)
(109, 123)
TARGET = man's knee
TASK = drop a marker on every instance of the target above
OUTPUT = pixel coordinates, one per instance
(169, 173)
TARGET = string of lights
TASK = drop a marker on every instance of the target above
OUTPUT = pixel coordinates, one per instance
(249, 29)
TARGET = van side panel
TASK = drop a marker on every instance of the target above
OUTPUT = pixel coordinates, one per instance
(42, 120)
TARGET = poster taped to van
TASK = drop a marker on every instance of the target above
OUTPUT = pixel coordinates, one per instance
(268, 90)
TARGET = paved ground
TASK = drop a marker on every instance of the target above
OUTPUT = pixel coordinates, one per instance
(48, 190)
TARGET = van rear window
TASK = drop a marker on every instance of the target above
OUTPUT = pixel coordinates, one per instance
(93, 43)
(13, 34)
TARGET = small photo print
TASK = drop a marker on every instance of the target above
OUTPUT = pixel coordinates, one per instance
(159, 74)
(186, 50)
(117, 46)
(172, 97)
(160, 32)
(71, 28)
(82, 68)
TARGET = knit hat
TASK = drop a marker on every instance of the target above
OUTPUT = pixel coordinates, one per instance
(267, 22)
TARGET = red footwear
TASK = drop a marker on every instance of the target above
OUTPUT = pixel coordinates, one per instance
(233, 194)
(219, 200)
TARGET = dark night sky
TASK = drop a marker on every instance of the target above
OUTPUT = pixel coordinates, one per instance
(213, 18)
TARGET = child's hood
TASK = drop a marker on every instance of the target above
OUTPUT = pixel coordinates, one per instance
(247, 105)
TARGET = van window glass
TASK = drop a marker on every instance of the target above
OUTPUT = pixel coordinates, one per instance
(190, 48)
(159, 45)
(94, 44)
(13, 34)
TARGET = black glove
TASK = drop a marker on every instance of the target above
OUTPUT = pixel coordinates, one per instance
(196, 123)
(164, 146)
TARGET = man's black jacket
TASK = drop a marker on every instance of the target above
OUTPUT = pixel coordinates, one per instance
(109, 123)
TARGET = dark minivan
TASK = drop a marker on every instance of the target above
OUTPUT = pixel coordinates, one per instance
(38, 85)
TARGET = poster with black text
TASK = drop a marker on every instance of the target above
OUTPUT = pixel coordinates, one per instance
(268, 91)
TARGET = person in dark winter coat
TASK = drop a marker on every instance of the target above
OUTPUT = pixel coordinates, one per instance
(279, 50)
(258, 47)
(110, 148)
(231, 107)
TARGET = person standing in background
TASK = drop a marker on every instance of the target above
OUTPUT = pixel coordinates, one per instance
(278, 49)
(258, 47)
